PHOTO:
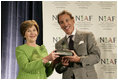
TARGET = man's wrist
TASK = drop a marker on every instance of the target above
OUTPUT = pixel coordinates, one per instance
(78, 59)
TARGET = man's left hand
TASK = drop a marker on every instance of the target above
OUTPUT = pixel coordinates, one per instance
(73, 58)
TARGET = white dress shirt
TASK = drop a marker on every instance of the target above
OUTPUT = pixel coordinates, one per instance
(73, 33)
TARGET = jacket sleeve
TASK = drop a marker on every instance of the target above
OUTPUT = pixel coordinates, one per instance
(25, 64)
(48, 67)
(60, 68)
(93, 51)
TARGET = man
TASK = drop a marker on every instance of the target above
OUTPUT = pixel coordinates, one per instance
(83, 46)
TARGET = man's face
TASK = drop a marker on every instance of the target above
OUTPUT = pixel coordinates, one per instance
(66, 23)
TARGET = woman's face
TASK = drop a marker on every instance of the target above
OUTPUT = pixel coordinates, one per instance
(31, 34)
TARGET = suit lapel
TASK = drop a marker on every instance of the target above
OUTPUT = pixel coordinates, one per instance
(78, 38)
(65, 43)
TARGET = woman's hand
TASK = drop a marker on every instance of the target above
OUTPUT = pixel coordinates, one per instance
(51, 57)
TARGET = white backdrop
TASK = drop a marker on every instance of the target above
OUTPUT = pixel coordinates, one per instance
(98, 17)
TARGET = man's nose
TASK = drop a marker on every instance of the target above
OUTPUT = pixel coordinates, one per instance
(65, 23)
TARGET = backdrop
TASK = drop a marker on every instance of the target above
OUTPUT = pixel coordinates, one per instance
(12, 14)
(99, 17)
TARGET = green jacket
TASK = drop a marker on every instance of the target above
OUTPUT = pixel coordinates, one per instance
(30, 62)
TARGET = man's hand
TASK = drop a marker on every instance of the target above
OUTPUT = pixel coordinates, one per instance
(73, 58)
(65, 61)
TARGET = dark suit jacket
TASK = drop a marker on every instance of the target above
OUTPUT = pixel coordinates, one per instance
(86, 47)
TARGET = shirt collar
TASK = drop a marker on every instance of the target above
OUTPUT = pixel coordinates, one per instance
(73, 33)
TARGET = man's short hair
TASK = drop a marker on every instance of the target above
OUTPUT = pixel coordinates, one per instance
(64, 12)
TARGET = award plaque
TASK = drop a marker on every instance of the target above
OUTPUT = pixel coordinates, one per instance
(64, 52)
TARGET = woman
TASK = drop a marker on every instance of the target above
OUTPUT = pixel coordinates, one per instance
(33, 60)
